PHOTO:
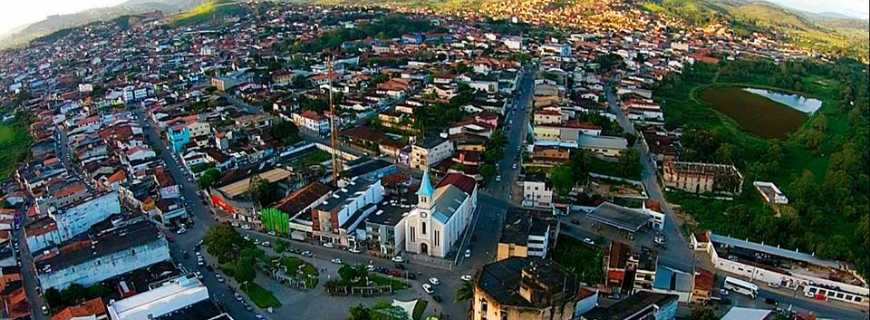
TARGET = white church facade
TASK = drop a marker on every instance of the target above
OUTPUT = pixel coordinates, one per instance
(443, 212)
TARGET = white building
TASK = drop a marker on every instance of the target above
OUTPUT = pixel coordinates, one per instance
(537, 192)
(336, 219)
(73, 220)
(430, 151)
(442, 214)
(312, 121)
(105, 255)
(175, 295)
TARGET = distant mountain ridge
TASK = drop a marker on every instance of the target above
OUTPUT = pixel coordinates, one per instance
(54, 23)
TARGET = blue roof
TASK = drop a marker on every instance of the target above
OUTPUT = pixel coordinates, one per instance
(426, 188)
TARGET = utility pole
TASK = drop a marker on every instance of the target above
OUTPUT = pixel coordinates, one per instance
(336, 162)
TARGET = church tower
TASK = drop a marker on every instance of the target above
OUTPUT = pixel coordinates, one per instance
(424, 194)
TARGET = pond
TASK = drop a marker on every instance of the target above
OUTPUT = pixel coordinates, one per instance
(764, 113)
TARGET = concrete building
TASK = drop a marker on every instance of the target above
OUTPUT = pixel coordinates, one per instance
(537, 192)
(697, 177)
(184, 297)
(430, 151)
(524, 234)
(101, 256)
(67, 222)
(524, 289)
(336, 219)
(441, 215)
(642, 305)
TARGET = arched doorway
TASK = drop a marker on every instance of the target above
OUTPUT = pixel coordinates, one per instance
(424, 249)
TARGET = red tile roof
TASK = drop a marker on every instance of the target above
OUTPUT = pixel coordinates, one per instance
(461, 181)
(93, 307)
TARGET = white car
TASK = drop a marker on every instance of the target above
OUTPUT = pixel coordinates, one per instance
(336, 261)
(434, 281)
(515, 166)
(328, 245)
(468, 253)
(398, 259)
(498, 178)
(246, 227)
(370, 268)
(307, 253)
(589, 241)
(465, 277)
(181, 231)
(428, 288)
(354, 250)
(219, 278)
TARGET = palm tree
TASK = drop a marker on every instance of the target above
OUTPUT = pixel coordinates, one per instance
(465, 292)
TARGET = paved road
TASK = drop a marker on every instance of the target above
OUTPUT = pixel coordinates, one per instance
(202, 221)
(678, 254)
(515, 126)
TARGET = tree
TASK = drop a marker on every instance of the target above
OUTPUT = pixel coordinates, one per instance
(562, 179)
(464, 292)
(629, 164)
(73, 294)
(359, 312)
(223, 242)
(285, 131)
(703, 313)
(209, 178)
(53, 298)
(487, 170)
(244, 269)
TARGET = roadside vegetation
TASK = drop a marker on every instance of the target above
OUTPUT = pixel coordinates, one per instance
(822, 167)
(578, 258)
(239, 259)
(15, 142)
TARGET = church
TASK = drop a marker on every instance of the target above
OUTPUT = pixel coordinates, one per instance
(443, 212)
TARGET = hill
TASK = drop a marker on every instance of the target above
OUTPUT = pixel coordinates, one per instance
(57, 23)
(208, 9)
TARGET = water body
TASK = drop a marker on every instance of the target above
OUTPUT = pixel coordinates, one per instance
(764, 113)
(801, 103)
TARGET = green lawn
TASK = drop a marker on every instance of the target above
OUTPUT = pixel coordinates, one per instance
(261, 297)
(309, 272)
(15, 143)
(380, 280)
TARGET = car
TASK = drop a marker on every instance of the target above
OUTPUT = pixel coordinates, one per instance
(259, 316)
(307, 253)
(246, 227)
(436, 298)
(198, 274)
(498, 178)
(354, 250)
(370, 268)
(256, 242)
(181, 231)
(398, 259)
(45, 310)
(589, 241)
(515, 166)
(428, 288)
(468, 253)
(465, 277)
(248, 307)
(328, 245)
(271, 233)
(219, 278)
(434, 281)
(723, 292)
(265, 244)
(247, 238)
(237, 296)
(336, 260)
(200, 263)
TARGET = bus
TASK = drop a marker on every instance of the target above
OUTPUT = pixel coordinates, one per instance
(741, 287)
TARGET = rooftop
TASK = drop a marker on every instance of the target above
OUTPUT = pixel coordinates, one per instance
(633, 307)
(174, 295)
(502, 280)
(241, 187)
(619, 217)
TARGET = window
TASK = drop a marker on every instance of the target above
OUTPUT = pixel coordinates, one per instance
(437, 240)
(840, 295)
(503, 314)
(423, 228)
(413, 235)
(483, 306)
(858, 299)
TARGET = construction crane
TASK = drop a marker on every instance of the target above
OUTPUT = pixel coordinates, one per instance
(336, 162)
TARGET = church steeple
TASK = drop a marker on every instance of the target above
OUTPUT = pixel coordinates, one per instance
(424, 194)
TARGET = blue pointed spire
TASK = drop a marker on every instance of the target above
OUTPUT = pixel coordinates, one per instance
(426, 189)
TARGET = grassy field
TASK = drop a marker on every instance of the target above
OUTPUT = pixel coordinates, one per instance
(261, 297)
(15, 143)
(208, 9)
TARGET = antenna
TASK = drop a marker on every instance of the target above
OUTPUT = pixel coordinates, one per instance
(336, 165)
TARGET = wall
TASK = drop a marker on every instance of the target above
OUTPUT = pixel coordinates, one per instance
(105, 267)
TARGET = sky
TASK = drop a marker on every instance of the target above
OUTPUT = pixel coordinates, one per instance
(15, 13)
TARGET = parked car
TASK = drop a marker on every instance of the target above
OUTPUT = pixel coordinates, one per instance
(307, 253)
(266, 244)
(328, 245)
(398, 259)
(465, 277)
(354, 250)
(428, 288)
(336, 260)
(589, 241)
(468, 253)
(434, 281)
(181, 231)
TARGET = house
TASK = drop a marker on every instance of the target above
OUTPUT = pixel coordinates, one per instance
(312, 121)
(385, 228)
(628, 270)
(93, 309)
(641, 305)
(697, 177)
(441, 215)
(524, 289)
(524, 234)
(429, 151)
(537, 191)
